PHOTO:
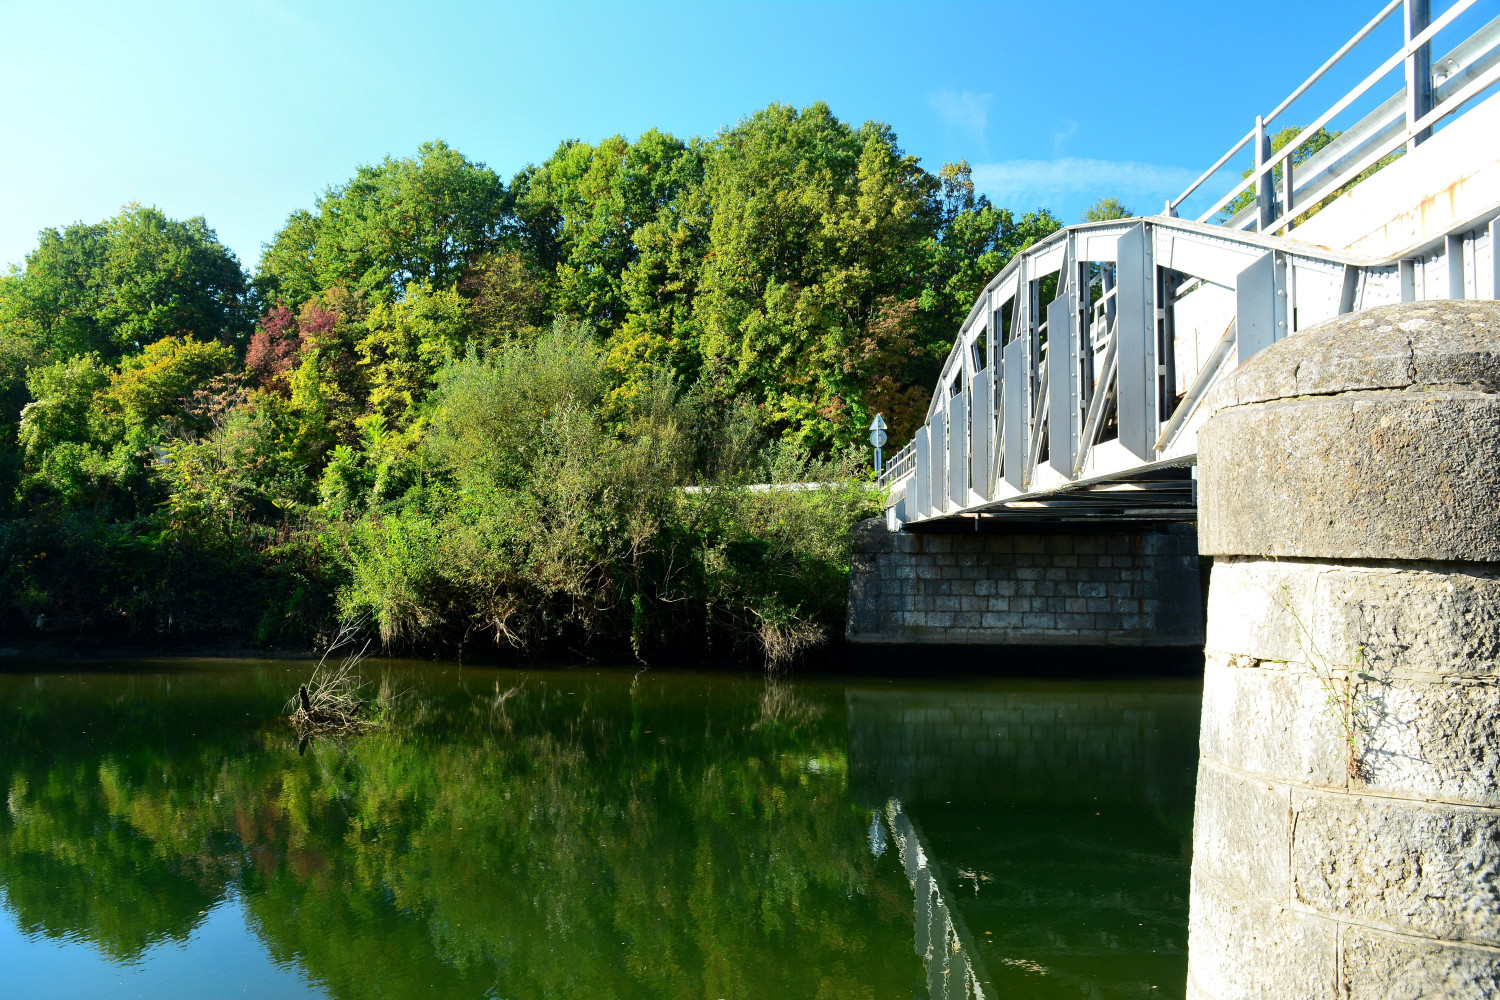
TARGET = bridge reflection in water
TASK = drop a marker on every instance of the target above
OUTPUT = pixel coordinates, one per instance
(1044, 830)
(947, 951)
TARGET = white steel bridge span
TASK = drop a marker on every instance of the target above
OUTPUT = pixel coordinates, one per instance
(1075, 386)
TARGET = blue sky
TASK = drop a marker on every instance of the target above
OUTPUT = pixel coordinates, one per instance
(243, 110)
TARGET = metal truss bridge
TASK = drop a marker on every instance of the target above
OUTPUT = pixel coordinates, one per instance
(1074, 388)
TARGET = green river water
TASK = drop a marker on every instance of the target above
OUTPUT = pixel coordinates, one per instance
(592, 833)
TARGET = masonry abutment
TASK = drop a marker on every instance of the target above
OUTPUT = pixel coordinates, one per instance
(1063, 585)
(1347, 818)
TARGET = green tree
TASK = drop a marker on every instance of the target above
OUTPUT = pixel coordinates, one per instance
(507, 298)
(582, 208)
(64, 404)
(1279, 141)
(812, 222)
(55, 303)
(118, 285)
(1106, 209)
(405, 344)
(159, 381)
(416, 219)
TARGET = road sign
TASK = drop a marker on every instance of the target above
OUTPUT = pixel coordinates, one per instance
(878, 424)
(878, 438)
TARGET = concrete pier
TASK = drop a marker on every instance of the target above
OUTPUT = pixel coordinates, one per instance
(1347, 818)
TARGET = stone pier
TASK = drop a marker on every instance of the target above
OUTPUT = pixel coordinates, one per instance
(1347, 819)
(1028, 585)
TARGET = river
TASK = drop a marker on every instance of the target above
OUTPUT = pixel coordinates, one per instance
(593, 833)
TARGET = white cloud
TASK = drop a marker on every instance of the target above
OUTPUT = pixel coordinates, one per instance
(965, 110)
(1020, 184)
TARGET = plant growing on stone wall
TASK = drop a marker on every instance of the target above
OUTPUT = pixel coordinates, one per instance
(1341, 687)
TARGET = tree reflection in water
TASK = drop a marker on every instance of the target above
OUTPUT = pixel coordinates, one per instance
(544, 847)
(605, 834)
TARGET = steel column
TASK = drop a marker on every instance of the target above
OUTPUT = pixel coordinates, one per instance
(1016, 373)
(958, 451)
(1062, 373)
(936, 452)
(1135, 335)
(981, 433)
(921, 505)
(1453, 254)
(1265, 187)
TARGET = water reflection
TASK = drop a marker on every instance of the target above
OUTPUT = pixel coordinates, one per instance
(942, 941)
(577, 834)
(1056, 820)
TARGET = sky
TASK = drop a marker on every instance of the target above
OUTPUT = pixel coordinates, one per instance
(244, 110)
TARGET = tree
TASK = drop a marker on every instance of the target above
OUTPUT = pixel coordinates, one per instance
(275, 344)
(159, 380)
(64, 403)
(1279, 141)
(421, 218)
(1106, 209)
(171, 279)
(837, 269)
(582, 208)
(406, 343)
(118, 285)
(507, 297)
(54, 302)
(811, 222)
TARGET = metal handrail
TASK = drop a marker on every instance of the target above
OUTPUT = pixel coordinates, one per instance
(899, 466)
(1384, 128)
(1359, 36)
(1411, 131)
(1419, 43)
(1285, 153)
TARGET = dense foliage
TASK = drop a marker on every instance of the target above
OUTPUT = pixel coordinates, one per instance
(462, 408)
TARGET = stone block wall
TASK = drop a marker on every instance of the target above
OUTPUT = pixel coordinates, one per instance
(1052, 587)
(1346, 839)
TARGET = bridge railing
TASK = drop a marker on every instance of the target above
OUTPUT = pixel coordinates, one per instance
(1431, 92)
(1082, 369)
(1077, 379)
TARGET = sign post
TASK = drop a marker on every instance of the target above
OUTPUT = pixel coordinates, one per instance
(878, 440)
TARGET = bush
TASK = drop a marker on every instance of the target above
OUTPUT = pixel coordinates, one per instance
(540, 520)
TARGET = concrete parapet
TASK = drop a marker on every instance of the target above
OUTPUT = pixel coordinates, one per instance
(1347, 820)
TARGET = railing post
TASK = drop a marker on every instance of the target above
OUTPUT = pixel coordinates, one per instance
(1418, 15)
(1265, 188)
(1286, 191)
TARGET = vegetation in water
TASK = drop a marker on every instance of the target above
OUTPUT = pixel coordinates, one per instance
(481, 412)
(333, 700)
